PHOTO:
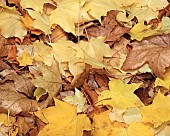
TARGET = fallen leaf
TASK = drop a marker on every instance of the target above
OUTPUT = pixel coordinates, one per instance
(15, 102)
(120, 95)
(165, 82)
(63, 120)
(41, 21)
(140, 31)
(11, 24)
(24, 58)
(158, 112)
(152, 50)
(78, 100)
(50, 80)
(34, 4)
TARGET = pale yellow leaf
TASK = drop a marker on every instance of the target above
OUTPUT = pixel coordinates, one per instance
(39, 92)
(78, 100)
(41, 21)
(37, 5)
(116, 115)
(68, 13)
(11, 24)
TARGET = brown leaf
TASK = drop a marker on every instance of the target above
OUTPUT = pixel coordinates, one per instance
(153, 50)
(110, 28)
(15, 102)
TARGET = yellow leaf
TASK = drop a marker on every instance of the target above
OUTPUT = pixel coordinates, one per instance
(140, 31)
(164, 82)
(78, 100)
(24, 59)
(120, 95)
(37, 5)
(116, 115)
(68, 13)
(41, 21)
(139, 129)
(63, 120)
(164, 132)
(102, 124)
(96, 48)
(93, 6)
(158, 112)
(43, 53)
(141, 13)
(11, 24)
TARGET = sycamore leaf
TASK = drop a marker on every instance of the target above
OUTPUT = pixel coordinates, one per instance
(63, 120)
(158, 112)
(152, 50)
(37, 5)
(120, 96)
(11, 24)
(78, 100)
(164, 82)
(24, 58)
(50, 80)
(140, 31)
(41, 21)
(68, 13)
(116, 115)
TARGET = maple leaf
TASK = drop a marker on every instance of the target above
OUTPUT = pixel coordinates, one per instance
(120, 96)
(11, 24)
(41, 21)
(72, 13)
(93, 6)
(158, 112)
(152, 50)
(43, 53)
(141, 13)
(63, 120)
(50, 80)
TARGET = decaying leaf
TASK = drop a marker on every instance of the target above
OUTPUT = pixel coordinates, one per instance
(15, 102)
(154, 51)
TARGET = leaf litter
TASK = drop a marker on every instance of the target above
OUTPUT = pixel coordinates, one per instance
(68, 68)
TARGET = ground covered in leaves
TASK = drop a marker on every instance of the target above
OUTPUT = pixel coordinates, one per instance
(84, 68)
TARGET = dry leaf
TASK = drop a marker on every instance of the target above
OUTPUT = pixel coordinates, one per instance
(152, 50)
